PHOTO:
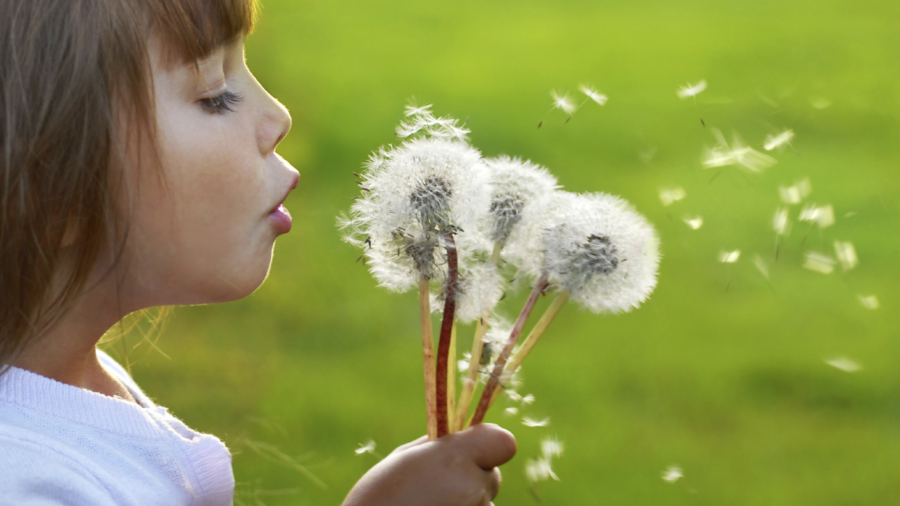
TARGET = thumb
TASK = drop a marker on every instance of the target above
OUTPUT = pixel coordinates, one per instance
(487, 444)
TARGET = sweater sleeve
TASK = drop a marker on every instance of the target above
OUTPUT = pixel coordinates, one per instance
(35, 475)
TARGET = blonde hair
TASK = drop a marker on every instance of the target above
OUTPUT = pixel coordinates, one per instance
(68, 70)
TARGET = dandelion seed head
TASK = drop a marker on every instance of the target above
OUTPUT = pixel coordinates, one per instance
(846, 254)
(601, 250)
(669, 196)
(593, 94)
(531, 422)
(778, 140)
(563, 102)
(869, 301)
(695, 222)
(818, 262)
(691, 90)
(729, 257)
(412, 196)
(672, 474)
(844, 364)
(520, 190)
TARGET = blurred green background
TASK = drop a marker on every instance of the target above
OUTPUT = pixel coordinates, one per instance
(722, 372)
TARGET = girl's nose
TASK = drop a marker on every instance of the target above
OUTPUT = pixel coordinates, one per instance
(276, 123)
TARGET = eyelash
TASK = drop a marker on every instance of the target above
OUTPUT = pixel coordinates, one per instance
(221, 104)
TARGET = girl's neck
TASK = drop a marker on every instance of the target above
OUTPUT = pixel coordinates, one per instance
(67, 352)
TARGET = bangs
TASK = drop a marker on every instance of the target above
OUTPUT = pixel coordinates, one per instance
(192, 29)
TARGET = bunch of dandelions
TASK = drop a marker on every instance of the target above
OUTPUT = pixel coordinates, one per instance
(434, 214)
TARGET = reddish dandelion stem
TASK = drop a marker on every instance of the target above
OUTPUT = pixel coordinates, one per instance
(494, 382)
(443, 424)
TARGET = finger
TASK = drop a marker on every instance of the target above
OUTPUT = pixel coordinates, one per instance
(495, 478)
(488, 445)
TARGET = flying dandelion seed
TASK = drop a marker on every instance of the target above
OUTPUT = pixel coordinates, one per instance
(593, 94)
(781, 139)
(668, 196)
(761, 266)
(691, 90)
(819, 263)
(695, 222)
(795, 194)
(367, 447)
(412, 110)
(821, 215)
(781, 224)
(551, 447)
(539, 469)
(463, 364)
(513, 395)
(729, 257)
(563, 102)
(846, 254)
(844, 364)
(528, 399)
(869, 301)
(672, 474)
(530, 422)
(737, 154)
(511, 411)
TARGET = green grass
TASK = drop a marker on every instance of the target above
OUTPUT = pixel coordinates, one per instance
(731, 385)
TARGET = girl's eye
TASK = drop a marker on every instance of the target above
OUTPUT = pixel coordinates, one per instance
(221, 104)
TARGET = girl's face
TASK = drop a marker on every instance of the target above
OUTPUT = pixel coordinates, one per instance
(201, 228)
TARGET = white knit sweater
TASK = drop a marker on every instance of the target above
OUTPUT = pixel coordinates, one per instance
(64, 445)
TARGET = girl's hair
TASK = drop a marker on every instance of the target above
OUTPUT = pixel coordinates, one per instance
(70, 71)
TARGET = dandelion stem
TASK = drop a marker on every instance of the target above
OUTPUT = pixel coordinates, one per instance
(465, 398)
(428, 357)
(451, 381)
(443, 426)
(494, 381)
(536, 333)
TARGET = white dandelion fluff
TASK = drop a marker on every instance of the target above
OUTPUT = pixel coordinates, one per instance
(846, 254)
(778, 140)
(413, 195)
(602, 251)
(737, 154)
(818, 262)
(844, 364)
(539, 469)
(669, 196)
(531, 422)
(672, 474)
(593, 94)
(691, 90)
(563, 102)
(551, 447)
(796, 193)
(821, 215)
(528, 399)
(781, 222)
(367, 447)
(729, 257)
(520, 192)
(511, 411)
(695, 222)
(479, 287)
(869, 301)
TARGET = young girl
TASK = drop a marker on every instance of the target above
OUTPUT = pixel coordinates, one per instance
(139, 169)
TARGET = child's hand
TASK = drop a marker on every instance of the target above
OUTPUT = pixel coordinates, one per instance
(456, 470)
